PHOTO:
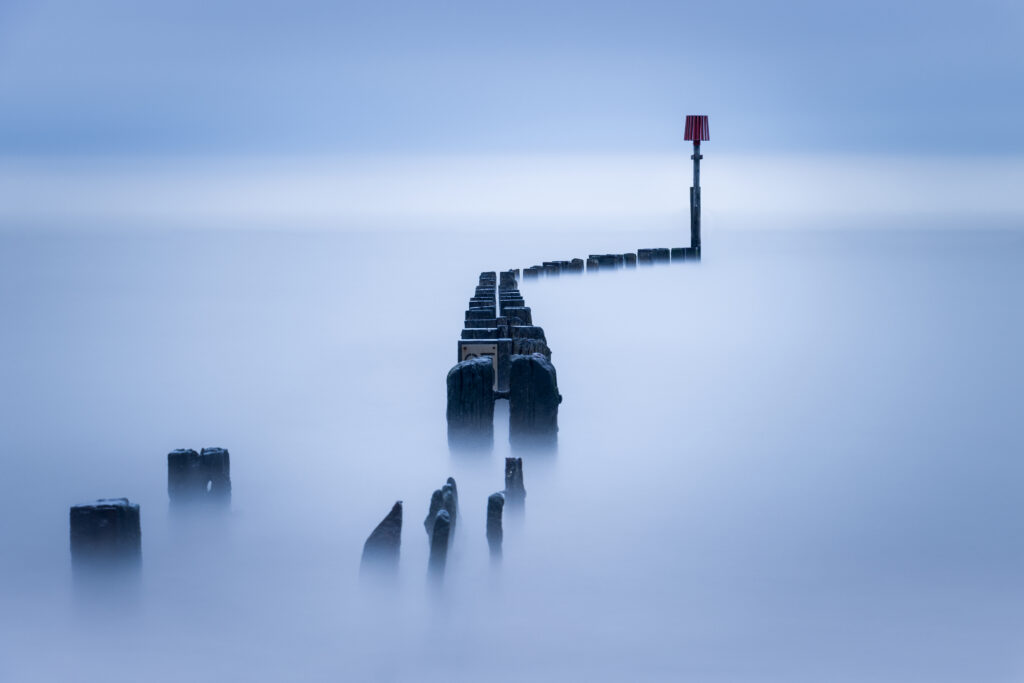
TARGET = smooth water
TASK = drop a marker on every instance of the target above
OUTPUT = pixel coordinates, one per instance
(800, 460)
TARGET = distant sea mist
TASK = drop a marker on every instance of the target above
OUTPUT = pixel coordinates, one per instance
(520, 192)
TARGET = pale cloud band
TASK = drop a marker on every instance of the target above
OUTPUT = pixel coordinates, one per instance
(613, 191)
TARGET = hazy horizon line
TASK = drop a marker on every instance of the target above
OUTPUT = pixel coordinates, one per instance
(545, 191)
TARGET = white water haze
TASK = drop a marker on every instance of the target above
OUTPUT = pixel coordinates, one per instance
(796, 461)
(532, 192)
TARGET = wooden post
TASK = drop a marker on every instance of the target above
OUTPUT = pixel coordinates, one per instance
(382, 548)
(533, 402)
(106, 537)
(471, 404)
(439, 544)
(495, 505)
(515, 491)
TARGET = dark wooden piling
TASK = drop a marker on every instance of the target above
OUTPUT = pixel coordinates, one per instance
(481, 333)
(516, 304)
(435, 507)
(470, 410)
(480, 313)
(515, 491)
(439, 539)
(203, 477)
(382, 548)
(495, 506)
(533, 402)
(685, 254)
(450, 503)
(527, 332)
(445, 498)
(526, 347)
(106, 537)
(610, 261)
(521, 313)
(486, 322)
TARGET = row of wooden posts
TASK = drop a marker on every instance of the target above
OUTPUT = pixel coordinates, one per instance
(502, 354)
(106, 535)
(598, 262)
(382, 549)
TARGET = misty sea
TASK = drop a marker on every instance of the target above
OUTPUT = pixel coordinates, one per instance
(800, 460)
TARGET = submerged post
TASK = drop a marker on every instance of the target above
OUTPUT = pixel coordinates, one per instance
(471, 403)
(495, 505)
(383, 546)
(106, 538)
(445, 498)
(203, 477)
(533, 402)
(439, 544)
(696, 130)
(515, 491)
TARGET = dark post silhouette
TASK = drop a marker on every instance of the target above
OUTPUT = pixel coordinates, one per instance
(533, 402)
(471, 403)
(106, 537)
(199, 477)
(495, 505)
(382, 548)
(439, 544)
(515, 491)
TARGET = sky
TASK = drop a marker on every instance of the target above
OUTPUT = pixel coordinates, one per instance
(479, 77)
(351, 82)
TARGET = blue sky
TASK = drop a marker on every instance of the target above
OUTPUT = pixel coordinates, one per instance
(231, 78)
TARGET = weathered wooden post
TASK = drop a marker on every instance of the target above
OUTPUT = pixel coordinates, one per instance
(470, 410)
(696, 130)
(435, 507)
(521, 313)
(495, 505)
(533, 402)
(382, 548)
(515, 491)
(525, 347)
(439, 544)
(445, 498)
(106, 538)
(199, 477)
(450, 501)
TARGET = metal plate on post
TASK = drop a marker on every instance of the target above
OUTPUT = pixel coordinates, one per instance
(480, 349)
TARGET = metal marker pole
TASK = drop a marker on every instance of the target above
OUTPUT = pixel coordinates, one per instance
(695, 198)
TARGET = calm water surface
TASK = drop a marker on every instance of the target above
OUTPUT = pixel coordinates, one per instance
(801, 460)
